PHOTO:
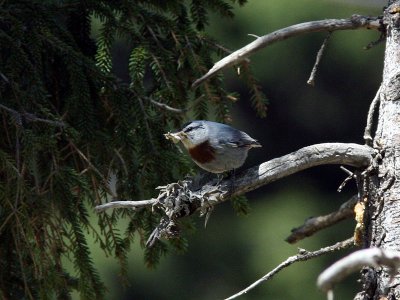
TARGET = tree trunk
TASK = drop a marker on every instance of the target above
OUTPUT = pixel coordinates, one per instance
(383, 213)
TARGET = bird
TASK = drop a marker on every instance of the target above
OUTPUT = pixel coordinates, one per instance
(214, 147)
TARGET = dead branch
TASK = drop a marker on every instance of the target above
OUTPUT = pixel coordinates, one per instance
(371, 112)
(311, 79)
(125, 204)
(313, 225)
(355, 22)
(173, 109)
(320, 154)
(167, 107)
(352, 175)
(373, 257)
(185, 197)
(302, 256)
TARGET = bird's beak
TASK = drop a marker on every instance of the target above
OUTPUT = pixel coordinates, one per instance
(175, 137)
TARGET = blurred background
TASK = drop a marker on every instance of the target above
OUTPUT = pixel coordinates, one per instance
(232, 252)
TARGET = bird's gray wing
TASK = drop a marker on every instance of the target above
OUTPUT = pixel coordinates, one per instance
(238, 139)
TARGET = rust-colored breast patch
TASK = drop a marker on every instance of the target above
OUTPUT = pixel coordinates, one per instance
(202, 153)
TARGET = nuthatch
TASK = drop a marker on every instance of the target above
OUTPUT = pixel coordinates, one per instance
(214, 147)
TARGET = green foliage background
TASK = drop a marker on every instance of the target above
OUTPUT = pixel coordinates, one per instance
(70, 124)
(77, 106)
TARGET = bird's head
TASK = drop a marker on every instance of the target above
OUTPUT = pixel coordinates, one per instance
(193, 134)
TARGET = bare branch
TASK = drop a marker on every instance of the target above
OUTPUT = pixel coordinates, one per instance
(370, 118)
(381, 39)
(173, 109)
(355, 22)
(125, 204)
(83, 156)
(168, 108)
(253, 35)
(311, 80)
(218, 46)
(347, 179)
(373, 257)
(313, 225)
(302, 256)
(185, 197)
(320, 154)
(4, 77)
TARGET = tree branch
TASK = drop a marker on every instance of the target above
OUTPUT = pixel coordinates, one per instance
(185, 197)
(311, 79)
(372, 108)
(320, 154)
(355, 22)
(168, 108)
(315, 155)
(125, 204)
(28, 117)
(373, 257)
(313, 225)
(302, 256)
(173, 109)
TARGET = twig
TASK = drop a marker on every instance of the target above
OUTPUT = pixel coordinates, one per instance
(22, 266)
(159, 45)
(167, 107)
(122, 160)
(4, 77)
(253, 35)
(146, 123)
(315, 224)
(373, 257)
(163, 73)
(347, 179)
(28, 117)
(302, 256)
(173, 109)
(370, 118)
(17, 152)
(355, 22)
(218, 46)
(83, 156)
(381, 39)
(125, 204)
(311, 80)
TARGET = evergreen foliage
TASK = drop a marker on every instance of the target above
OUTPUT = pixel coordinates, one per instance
(68, 123)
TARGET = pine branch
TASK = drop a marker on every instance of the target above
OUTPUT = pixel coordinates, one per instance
(21, 117)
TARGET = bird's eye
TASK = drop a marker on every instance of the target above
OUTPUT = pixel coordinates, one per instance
(188, 129)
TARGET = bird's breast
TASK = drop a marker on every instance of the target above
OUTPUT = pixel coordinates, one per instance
(202, 153)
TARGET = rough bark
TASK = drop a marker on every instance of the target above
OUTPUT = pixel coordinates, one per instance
(383, 213)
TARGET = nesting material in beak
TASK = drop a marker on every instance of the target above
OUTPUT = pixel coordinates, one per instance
(175, 137)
